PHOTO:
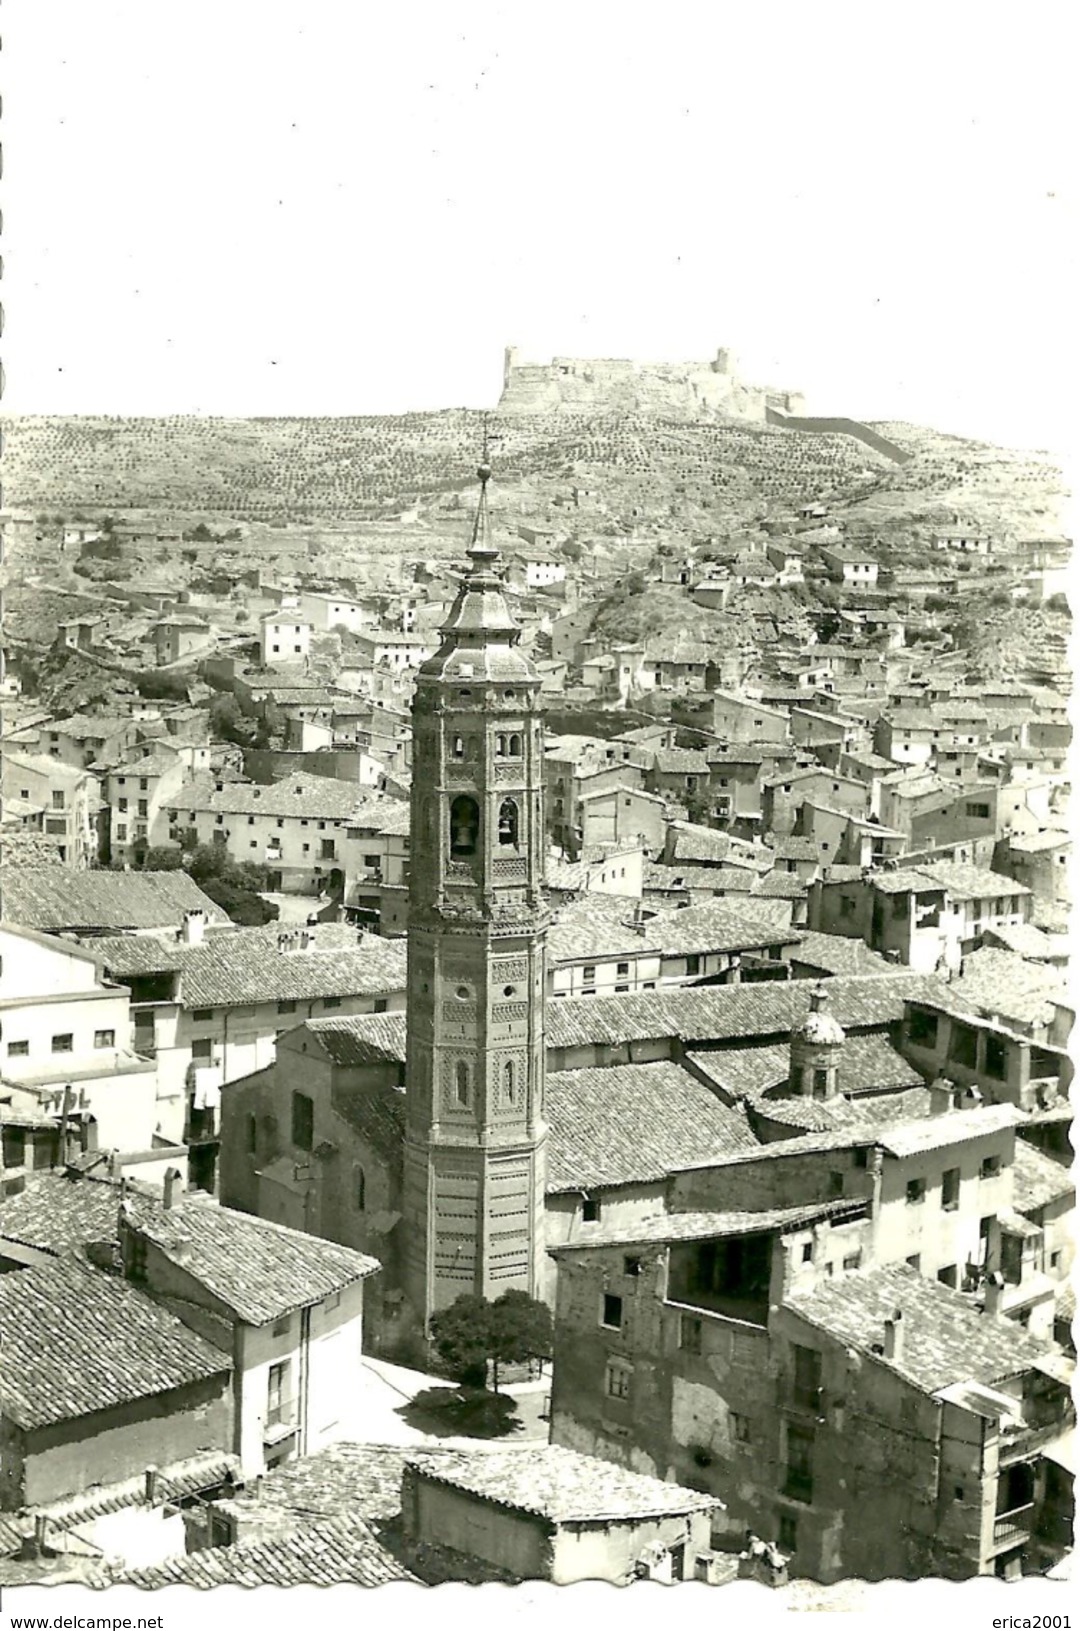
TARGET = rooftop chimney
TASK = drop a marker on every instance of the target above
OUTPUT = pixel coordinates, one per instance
(150, 1485)
(993, 1292)
(193, 928)
(941, 1097)
(894, 1336)
(172, 1178)
(114, 1164)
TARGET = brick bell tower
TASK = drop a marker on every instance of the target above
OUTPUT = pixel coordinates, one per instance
(475, 1135)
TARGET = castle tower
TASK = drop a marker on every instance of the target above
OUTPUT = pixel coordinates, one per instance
(475, 1133)
(816, 1048)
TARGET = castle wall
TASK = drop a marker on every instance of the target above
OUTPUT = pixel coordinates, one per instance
(690, 390)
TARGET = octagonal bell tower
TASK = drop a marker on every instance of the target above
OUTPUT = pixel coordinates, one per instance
(475, 1132)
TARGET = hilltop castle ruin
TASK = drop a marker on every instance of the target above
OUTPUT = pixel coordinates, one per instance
(688, 390)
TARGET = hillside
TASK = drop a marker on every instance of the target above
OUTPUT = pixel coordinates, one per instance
(650, 469)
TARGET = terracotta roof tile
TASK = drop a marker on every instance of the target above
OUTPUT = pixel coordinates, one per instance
(341, 1551)
(77, 1340)
(561, 1485)
(946, 1339)
(101, 900)
(632, 1123)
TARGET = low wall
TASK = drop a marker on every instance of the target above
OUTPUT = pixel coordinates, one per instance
(839, 427)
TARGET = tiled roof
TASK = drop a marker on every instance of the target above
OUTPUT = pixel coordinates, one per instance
(362, 1039)
(102, 900)
(1000, 983)
(1037, 1180)
(1025, 940)
(243, 966)
(300, 795)
(675, 1226)
(867, 1064)
(680, 761)
(945, 1339)
(955, 1127)
(795, 848)
(632, 1123)
(780, 886)
(838, 954)
(561, 1485)
(258, 1270)
(599, 926)
(686, 875)
(77, 1341)
(714, 1013)
(697, 1014)
(693, 843)
(1038, 842)
(88, 727)
(59, 1213)
(340, 1551)
(966, 882)
(718, 926)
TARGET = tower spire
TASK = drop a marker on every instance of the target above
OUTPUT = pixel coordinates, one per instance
(482, 552)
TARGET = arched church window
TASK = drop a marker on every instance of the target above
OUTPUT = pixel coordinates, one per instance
(464, 825)
(360, 1189)
(461, 1081)
(457, 747)
(508, 824)
(509, 1085)
(500, 747)
(515, 746)
(472, 748)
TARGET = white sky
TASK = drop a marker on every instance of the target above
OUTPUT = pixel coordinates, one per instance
(337, 206)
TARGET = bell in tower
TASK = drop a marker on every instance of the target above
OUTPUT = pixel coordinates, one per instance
(475, 1131)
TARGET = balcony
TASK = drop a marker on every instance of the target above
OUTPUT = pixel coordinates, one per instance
(1014, 1528)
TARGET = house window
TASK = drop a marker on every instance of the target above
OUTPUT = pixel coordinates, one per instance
(622, 968)
(303, 1121)
(617, 1379)
(590, 1210)
(252, 1135)
(283, 1326)
(286, 1006)
(18, 1050)
(990, 1166)
(104, 1039)
(58, 801)
(740, 1427)
(799, 1471)
(950, 1189)
(121, 830)
(631, 1267)
(788, 1535)
(853, 1261)
(200, 1016)
(14, 1147)
(379, 1006)
(996, 1058)
(690, 1333)
(611, 1312)
(807, 1378)
(63, 1043)
(949, 1276)
(588, 973)
(916, 1191)
(359, 1189)
(202, 1047)
(914, 1261)
(693, 964)
(922, 1027)
(275, 1394)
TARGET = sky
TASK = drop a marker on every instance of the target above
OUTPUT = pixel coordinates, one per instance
(337, 206)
